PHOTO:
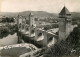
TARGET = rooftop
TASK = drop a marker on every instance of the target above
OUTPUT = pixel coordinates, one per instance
(64, 11)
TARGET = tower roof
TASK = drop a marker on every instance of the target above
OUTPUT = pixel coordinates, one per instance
(64, 11)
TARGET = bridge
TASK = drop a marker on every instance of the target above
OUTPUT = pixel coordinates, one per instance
(34, 31)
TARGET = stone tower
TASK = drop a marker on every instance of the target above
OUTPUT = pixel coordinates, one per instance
(20, 19)
(64, 23)
(31, 24)
(31, 19)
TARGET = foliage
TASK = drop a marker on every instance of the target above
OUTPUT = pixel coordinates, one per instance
(7, 19)
(59, 49)
(5, 31)
(74, 37)
(51, 26)
(62, 48)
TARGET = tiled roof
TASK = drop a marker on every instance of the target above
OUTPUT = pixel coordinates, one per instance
(64, 11)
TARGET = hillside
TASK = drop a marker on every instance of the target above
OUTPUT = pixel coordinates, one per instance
(9, 14)
(75, 15)
(26, 13)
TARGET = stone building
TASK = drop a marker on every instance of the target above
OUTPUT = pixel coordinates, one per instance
(64, 23)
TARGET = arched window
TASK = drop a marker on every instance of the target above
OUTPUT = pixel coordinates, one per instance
(40, 34)
(50, 39)
(32, 31)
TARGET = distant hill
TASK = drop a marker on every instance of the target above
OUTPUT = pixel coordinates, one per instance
(9, 14)
(26, 13)
(75, 15)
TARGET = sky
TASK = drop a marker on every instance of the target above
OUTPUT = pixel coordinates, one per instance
(52, 6)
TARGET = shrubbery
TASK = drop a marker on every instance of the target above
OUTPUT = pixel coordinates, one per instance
(7, 19)
(8, 30)
(66, 47)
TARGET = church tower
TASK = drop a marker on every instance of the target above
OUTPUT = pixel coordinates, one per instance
(64, 23)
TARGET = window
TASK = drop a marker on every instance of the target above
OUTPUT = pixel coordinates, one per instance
(50, 39)
(40, 34)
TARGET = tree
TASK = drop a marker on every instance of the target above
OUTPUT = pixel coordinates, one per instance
(59, 49)
(65, 47)
(74, 37)
(7, 19)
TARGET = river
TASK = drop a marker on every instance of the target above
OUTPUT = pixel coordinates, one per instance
(10, 48)
(12, 40)
(9, 40)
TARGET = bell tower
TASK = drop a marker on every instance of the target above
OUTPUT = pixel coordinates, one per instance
(64, 23)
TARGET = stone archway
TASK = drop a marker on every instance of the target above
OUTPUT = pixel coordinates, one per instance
(50, 39)
(40, 34)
